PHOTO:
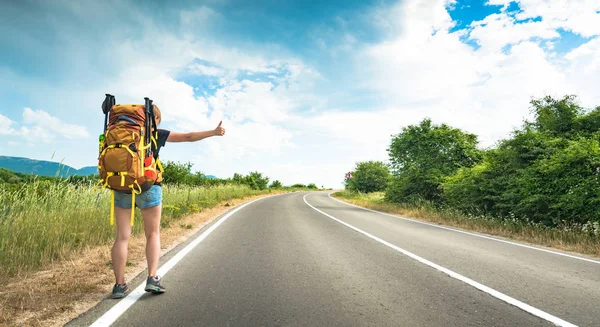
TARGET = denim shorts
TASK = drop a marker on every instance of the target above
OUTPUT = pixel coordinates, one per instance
(152, 197)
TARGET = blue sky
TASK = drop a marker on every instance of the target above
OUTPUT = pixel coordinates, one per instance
(304, 90)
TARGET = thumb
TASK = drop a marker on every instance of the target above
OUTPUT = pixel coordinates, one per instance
(221, 122)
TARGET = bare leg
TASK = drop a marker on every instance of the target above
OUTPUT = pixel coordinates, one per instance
(119, 249)
(152, 230)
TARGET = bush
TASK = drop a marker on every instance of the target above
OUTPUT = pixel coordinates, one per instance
(369, 176)
(176, 173)
(546, 172)
(256, 181)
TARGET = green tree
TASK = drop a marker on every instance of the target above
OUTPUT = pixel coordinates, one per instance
(370, 176)
(557, 117)
(176, 173)
(238, 178)
(589, 123)
(256, 180)
(312, 186)
(276, 184)
(421, 156)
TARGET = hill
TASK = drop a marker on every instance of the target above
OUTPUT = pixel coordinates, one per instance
(43, 168)
(48, 168)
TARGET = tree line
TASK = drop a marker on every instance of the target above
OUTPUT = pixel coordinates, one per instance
(181, 173)
(174, 174)
(545, 172)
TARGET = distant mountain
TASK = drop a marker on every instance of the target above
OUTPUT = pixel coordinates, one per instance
(43, 168)
(48, 168)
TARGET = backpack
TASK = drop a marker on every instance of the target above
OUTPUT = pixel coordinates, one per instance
(126, 163)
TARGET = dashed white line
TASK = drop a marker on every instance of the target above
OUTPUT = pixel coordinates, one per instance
(501, 296)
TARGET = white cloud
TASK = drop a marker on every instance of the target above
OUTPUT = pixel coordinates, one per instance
(498, 30)
(424, 70)
(229, 58)
(583, 72)
(47, 125)
(5, 125)
(363, 129)
(258, 140)
(251, 101)
(39, 126)
(579, 16)
(199, 69)
(175, 99)
(251, 111)
(418, 68)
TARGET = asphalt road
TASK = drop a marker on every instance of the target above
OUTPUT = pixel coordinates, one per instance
(280, 262)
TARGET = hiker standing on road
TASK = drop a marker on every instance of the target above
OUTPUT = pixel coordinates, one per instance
(150, 203)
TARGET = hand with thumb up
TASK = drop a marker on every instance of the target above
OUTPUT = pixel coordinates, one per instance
(220, 131)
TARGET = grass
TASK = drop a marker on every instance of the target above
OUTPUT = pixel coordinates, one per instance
(44, 222)
(584, 239)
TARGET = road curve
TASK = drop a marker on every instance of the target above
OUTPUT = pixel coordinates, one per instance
(279, 262)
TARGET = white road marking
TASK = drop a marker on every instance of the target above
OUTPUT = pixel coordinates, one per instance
(526, 307)
(468, 233)
(116, 311)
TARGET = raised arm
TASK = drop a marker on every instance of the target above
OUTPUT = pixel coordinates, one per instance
(196, 136)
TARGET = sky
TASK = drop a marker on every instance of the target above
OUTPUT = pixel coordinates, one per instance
(305, 90)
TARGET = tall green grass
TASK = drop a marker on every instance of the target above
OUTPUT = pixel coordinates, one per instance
(43, 221)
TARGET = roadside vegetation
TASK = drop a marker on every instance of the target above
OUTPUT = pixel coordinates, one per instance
(540, 185)
(47, 219)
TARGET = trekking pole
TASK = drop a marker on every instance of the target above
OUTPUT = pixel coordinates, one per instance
(107, 104)
(148, 128)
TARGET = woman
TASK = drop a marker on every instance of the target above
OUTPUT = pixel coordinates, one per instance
(150, 203)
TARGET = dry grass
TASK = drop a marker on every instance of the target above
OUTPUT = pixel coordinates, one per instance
(63, 289)
(566, 240)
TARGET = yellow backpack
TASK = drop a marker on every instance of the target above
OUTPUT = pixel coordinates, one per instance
(126, 162)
